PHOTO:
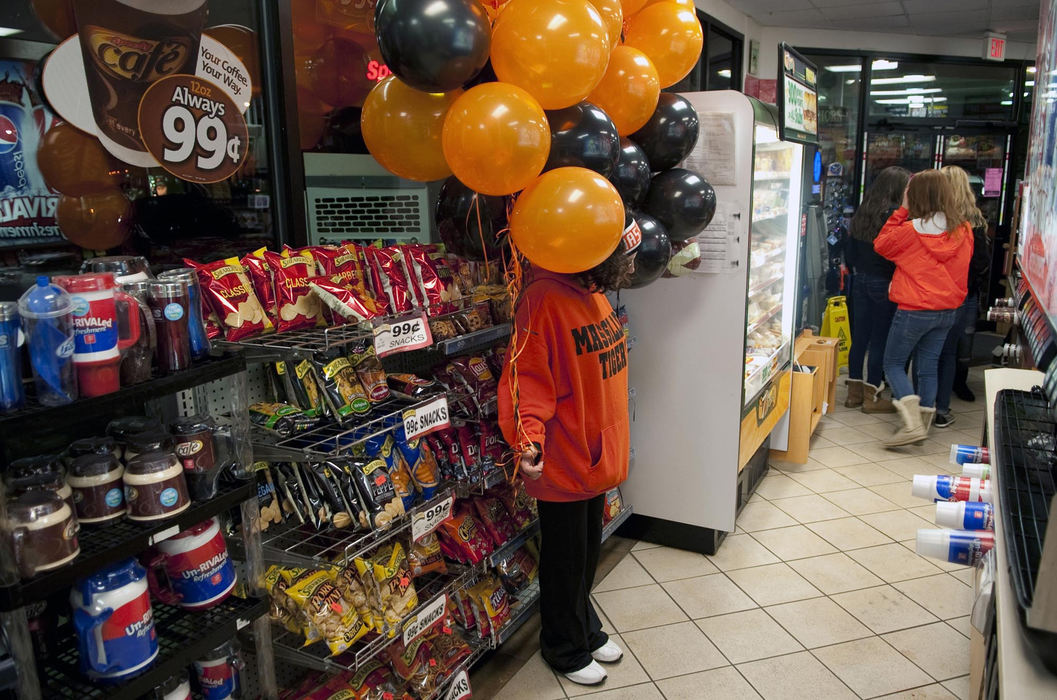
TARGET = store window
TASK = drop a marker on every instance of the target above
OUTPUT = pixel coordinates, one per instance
(72, 193)
(921, 90)
(721, 59)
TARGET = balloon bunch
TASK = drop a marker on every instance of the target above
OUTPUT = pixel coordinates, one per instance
(536, 97)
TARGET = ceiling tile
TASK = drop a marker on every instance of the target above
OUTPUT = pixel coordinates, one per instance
(874, 9)
(947, 22)
(1005, 11)
(794, 18)
(920, 6)
(872, 23)
(760, 8)
(840, 3)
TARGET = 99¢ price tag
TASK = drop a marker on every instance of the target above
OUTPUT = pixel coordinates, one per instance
(426, 521)
(427, 418)
(193, 128)
(459, 688)
(402, 335)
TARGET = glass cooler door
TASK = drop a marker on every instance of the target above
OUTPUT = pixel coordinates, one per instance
(773, 238)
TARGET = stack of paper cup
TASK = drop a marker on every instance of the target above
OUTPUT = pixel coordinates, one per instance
(965, 516)
(979, 471)
(955, 546)
(960, 454)
(951, 488)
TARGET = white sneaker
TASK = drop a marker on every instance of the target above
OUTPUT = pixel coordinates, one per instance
(591, 674)
(608, 653)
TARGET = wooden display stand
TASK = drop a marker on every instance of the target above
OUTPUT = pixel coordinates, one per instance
(814, 393)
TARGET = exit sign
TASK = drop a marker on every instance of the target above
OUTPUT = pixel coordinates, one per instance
(995, 47)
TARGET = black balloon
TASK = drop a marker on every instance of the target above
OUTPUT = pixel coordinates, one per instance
(433, 45)
(631, 176)
(652, 255)
(583, 136)
(682, 201)
(469, 221)
(671, 132)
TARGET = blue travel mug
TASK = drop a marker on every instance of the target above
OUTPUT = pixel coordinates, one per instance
(12, 396)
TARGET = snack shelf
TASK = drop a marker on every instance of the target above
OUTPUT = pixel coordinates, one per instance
(299, 545)
(757, 288)
(289, 647)
(769, 217)
(479, 650)
(302, 343)
(762, 258)
(768, 365)
(469, 342)
(123, 539)
(527, 600)
(616, 522)
(767, 316)
(519, 539)
(183, 637)
(33, 429)
(332, 440)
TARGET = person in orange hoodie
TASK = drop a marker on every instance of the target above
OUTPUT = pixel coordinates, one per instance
(572, 399)
(931, 244)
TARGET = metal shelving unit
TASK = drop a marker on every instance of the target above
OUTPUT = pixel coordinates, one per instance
(616, 522)
(516, 541)
(476, 340)
(527, 600)
(289, 645)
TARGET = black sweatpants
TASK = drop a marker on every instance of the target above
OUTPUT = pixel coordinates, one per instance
(571, 534)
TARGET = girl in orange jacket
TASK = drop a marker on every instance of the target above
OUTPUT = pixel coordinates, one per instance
(931, 244)
(572, 400)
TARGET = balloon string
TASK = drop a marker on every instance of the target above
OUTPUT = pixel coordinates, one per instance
(515, 276)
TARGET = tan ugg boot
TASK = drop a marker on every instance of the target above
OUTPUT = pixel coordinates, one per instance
(854, 399)
(928, 417)
(912, 430)
(872, 401)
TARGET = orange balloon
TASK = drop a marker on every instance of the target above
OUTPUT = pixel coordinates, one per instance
(613, 16)
(98, 221)
(496, 138)
(568, 220)
(557, 50)
(309, 32)
(671, 36)
(243, 43)
(402, 129)
(75, 163)
(632, 6)
(628, 92)
(685, 3)
(57, 16)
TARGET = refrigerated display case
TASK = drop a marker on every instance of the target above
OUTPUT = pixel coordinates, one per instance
(711, 352)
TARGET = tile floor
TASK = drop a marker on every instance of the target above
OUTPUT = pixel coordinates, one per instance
(818, 594)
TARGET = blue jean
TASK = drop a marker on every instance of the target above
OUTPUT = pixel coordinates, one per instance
(921, 334)
(957, 348)
(871, 316)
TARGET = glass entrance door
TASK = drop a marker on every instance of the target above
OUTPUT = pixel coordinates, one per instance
(912, 150)
(984, 158)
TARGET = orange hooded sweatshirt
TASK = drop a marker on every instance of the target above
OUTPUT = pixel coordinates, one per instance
(931, 266)
(573, 388)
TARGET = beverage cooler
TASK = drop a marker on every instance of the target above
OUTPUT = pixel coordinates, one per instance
(711, 352)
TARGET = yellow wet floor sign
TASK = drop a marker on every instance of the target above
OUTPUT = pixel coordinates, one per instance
(835, 325)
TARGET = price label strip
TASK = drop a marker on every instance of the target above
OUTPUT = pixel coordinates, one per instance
(402, 335)
(193, 128)
(459, 688)
(427, 418)
(426, 618)
(429, 519)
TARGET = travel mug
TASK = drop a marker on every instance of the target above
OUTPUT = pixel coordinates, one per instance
(12, 396)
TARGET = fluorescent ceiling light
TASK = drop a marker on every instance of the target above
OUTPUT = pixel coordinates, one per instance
(879, 64)
(912, 100)
(1031, 69)
(912, 78)
(908, 91)
(9, 31)
(725, 73)
(1030, 83)
(1006, 103)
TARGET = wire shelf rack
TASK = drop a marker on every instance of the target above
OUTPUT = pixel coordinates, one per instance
(288, 645)
(300, 545)
(302, 343)
(479, 650)
(516, 541)
(527, 601)
(616, 522)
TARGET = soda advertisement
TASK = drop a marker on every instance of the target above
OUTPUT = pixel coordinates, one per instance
(154, 86)
(27, 204)
(1038, 257)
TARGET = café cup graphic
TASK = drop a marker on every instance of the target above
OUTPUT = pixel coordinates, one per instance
(127, 46)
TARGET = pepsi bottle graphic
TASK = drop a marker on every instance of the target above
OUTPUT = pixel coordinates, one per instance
(13, 177)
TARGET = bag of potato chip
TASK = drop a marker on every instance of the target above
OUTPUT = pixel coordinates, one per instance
(296, 306)
(260, 274)
(425, 557)
(341, 387)
(230, 293)
(324, 608)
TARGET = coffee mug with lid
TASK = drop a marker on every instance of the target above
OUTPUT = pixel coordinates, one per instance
(42, 531)
(155, 487)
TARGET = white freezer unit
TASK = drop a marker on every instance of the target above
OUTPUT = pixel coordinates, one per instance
(710, 353)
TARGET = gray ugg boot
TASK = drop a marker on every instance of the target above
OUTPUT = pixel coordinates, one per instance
(928, 417)
(854, 399)
(912, 430)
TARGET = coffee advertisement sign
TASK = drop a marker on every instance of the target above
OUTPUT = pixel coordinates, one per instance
(154, 87)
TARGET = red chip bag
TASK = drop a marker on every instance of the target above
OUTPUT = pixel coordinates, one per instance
(493, 604)
(260, 274)
(492, 445)
(348, 303)
(465, 537)
(433, 292)
(493, 515)
(473, 374)
(230, 293)
(296, 306)
(389, 276)
(515, 500)
(469, 445)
